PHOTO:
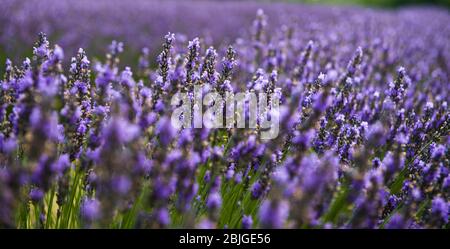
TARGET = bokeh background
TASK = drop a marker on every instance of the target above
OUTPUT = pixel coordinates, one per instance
(92, 25)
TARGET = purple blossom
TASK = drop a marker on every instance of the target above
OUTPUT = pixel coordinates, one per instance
(440, 209)
(36, 195)
(273, 214)
(247, 222)
(90, 209)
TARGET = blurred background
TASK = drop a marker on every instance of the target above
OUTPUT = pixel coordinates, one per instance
(92, 25)
(375, 3)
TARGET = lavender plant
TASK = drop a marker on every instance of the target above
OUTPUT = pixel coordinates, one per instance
(363, 140)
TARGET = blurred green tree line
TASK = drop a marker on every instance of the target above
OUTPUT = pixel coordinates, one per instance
(381, 3)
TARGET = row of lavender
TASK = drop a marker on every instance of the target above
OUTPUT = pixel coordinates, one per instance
(141, 23)
(363, 137)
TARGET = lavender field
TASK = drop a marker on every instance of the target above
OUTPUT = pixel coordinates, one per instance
(358, 98)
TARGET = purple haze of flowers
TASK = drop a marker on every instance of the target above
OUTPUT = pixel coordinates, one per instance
(362, 143)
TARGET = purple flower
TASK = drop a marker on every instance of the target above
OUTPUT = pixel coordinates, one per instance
(397, 221)
(8, 145)
(247, 222)
(90, 209)
(214, 200)
(165, 131)
(120, 130)
(438, 152)
(62, 164)
(440, 209)
(36, 195)
(121, 185)
(257, 190)
(163, 217)
(206, 224)
(375, 134)
(273, 214)
(116, 48)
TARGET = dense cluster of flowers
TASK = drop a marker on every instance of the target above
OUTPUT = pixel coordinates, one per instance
(364, 132)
